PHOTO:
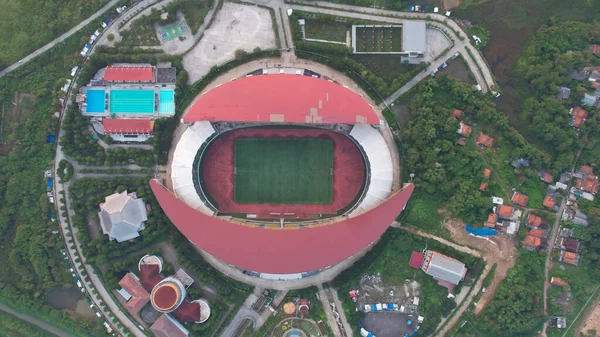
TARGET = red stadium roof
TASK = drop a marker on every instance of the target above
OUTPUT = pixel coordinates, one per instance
(128, 126)
(128, 74)
(282, 98)
(280, 251)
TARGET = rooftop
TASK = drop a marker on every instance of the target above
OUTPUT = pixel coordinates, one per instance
(274, 256)
(128, 126)
(557, 281)
(464, 129)
(416, 259)
(139, 296)
(130, 73)
(505, 211)
(520, 199)
(282, 99)
(569, 257)
(485, 140)
(532, 241)
(414, 36)
(487, 172)
(457, 113)
(491, 220)
(534, 220)
(166, 75)
(444, 267)
(165, 326)
(483, 186)
(122, 216)
(549, 202)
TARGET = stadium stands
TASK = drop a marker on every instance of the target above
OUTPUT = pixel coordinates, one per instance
(183, 162)
(381, 167)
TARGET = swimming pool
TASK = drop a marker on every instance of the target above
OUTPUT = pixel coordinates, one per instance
(166, 102)
(94, 100)
(132, 101)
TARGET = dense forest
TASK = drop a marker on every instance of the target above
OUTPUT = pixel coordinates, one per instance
(29, 24)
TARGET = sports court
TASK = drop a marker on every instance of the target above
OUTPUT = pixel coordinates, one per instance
(283, 170)
(172, 31)
(132, 101)
(94, 101)
(218, 178)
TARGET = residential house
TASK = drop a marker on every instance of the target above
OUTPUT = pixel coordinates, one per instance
(594, 76)
(464, 129)
(534, 221)
(576, 217)
(569, 257)
(580, 75)
(549, 202)
(595, 49)
(483, 186)
(559, 322)
(564, 93)
(520, 199)
(485, 140)
(457, 113)
(570, 245)
(557, 281)
(122, 216)
(535, 239)
(520, 163)
(589, 99)
(462, 142)
(491, 220)
(487, 172)
(505, 212)
(578, 116)
(546, 177)
(446, 270)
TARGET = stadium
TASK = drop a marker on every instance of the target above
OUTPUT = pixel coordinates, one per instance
(282, 174)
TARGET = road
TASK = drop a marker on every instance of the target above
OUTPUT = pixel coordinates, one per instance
(328, 312)
(59, 39)
(37, 322)
(474, 59)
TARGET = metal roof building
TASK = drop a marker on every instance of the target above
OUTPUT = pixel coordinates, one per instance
(122, 216)
(414, 37)
(444, 268)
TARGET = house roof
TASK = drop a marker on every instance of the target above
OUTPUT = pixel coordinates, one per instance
(462, 142)
(564, 93)
(165, 326)
(119, 73)
(549, 202)
(487, 172)
(122, 216)
(520, 199)
(570, 244)
(590, 184)
(589, 99)
(538, 233)
(464, 129)
(457, 113)
(546, 177)
(445, 268)
(485, 140)
(534, 220)
(587, 169)
(595, 49)
(128, 126)
(149, 276)
(505, 211)
(282, 98)
(139, 296)
(579, 116)
(188, 312)
(570, 257)
(491, 220)
(557, 281)
(416, 259)
(267, 250)
(532, 241)
(483, 186)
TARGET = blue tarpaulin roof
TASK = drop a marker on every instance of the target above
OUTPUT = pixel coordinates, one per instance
(481, 231)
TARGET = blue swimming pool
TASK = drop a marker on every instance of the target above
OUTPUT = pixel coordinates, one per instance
(166, 102)
(132, 101)
(95, 101)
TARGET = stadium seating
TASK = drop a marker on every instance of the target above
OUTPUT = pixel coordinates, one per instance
(183, 161)
(380, 164)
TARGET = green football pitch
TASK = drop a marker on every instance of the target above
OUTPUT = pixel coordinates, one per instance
(283, 171)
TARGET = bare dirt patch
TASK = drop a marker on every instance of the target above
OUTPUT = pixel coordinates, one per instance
(449, 4)
(496, 250)
(593, 320)
(235, 27)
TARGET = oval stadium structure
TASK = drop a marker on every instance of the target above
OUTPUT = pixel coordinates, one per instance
(282, 175)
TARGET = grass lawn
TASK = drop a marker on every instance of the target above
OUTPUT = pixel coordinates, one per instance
(326, 31)
(283, 171)
(378, 39)
(195, 12)
(140, 34)
(421, 211)
(388, 67)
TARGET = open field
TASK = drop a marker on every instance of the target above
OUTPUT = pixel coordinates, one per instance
(326, 30)
(141, 33)
(283, 171)
(378, 39)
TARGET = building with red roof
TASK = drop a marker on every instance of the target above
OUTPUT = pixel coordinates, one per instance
(487, 173)
(579, 116)
(483, 186)
(457, 113)
(549, 201)
(127, 126)
(138, 296)
(416, 259)
(166, 326)
(282, 98)
(129, 74)
(464, 129)
(520, 199)
(485, 140)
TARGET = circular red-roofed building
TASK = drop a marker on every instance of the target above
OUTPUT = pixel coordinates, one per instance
(206, 197)
(167, 295)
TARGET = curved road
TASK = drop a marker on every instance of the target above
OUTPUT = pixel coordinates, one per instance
(35, 321)
(59, 39)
